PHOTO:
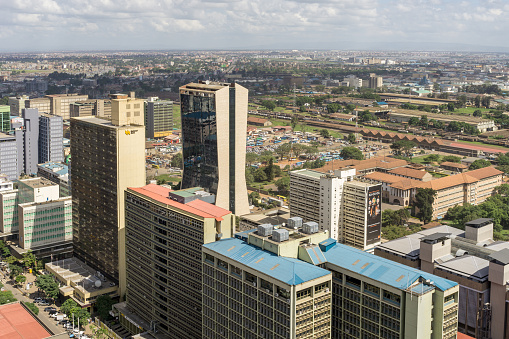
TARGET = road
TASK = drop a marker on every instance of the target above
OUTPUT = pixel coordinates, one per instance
(42, 316)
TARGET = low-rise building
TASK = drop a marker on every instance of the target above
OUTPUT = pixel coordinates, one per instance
(411, 173)
(58, 173)
(258, 121)
(472, 187)
(395, 189)
(454, 167)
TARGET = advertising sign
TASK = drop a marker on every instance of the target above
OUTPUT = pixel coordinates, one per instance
(374, 214)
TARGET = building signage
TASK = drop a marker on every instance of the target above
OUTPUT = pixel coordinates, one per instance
(374, 215)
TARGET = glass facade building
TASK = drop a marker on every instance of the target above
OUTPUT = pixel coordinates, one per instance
(214, 121)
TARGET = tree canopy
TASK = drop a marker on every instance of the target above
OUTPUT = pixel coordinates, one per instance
(424, 199)
(479, 163)
(351, 153)
(103, 305)
(403, 147)
(48, 285)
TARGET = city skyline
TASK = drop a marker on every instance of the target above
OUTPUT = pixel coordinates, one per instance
(232, 24)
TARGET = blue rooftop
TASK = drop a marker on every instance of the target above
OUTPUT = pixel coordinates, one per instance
(56, 167)
(288, 270)
(381, 269)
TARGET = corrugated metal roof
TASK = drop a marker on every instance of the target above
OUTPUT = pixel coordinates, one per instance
(287, 270)
(381, 269)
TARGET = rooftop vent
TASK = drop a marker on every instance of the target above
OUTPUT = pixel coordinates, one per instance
(265, 230)
(295, 222)
(280, 235)
(310, 227)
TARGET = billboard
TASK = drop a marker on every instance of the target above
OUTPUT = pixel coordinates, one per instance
(374, 214)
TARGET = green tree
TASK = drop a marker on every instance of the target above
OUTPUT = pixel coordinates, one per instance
(270, 170)
(177, 161)
(403, 147)
(260, 175)
(333, 107)
(15, 270)
(432, 158)
(32, 307)
(424, 199)
(451, 158)
(477, 113)
(4, 100)
(479, 163)
(268, 104)
(351, 138)
(29, 259)
(283, 185)
(48, 285)
(251, 158)
(81, 314)
(413, 121)
(103, 305)
(351, 153)
(503, 159)
(6, 297)
(477, 101)
(325, 133)
(99, 332)
(502, 189)
(67, 307)
(294, 121)
(20, 279)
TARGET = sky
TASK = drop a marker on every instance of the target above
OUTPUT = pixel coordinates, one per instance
(81, 25)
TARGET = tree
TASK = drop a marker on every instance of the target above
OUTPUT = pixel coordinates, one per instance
(351, 138)
(294, 121)
(333, 107)
(29, 259)
(177, 161)
(503, 159)
(283, 185)
(4, 100)
(80, 314)
(15, 270)
(270, 170)
(502, 189)
(251, 158)
(260, 175)
(479, 163)
(99, 332)
(477, 113)
(432, 158)
(325, 133)
(451, 107)
(424, 199)
(20, 279)
(268, 104)
(451, 158)
(477, 101)
(423, 121)
(48, 285)
(6, 297)
(351, 153)
(67, 306)
(401, 147)
(103, 305)
(32, 307)
(413, 121)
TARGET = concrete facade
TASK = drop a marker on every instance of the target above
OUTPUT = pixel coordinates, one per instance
(51, 134)
(30, 140)
(158, 118)
(9, 161)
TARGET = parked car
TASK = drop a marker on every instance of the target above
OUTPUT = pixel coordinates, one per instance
(54, 315)
(53, 312)
(37, 300)
(44, 303)
(48, 309)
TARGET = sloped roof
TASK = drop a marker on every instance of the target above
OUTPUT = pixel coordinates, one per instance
(287, 270)
(409, 172)
(393, 180)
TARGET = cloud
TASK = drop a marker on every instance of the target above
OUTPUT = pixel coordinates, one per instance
(226, 23)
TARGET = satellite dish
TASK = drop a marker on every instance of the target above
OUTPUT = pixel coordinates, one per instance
(98, 283)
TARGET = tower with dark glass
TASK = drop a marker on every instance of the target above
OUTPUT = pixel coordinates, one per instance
(214, 121)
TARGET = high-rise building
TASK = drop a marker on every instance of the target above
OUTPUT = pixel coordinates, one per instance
(97, 107)
(348, 209)
(375, 81)
(60, 103)
(58, 173)
(214, 120)
(51, 135)
(9, 156)
(17, 104)
(42, 104)
(108, 156)
(164, 233)
(158, 117)
(30, 140)
(5, 118)
(288, 283)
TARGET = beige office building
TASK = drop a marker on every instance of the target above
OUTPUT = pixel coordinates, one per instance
(339, 204)
(472, 187)
(60, 103)
(108, 157)
(214, 122)
(42, 104)
(96, 107)
(17, 104)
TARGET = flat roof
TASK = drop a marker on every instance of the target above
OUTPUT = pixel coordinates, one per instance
(55, 167)
(309, 173)
(287, 270)
(18, 323)
(380, 269)
(38, 182)
(479, 222)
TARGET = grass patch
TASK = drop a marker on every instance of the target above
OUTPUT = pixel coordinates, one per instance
(438, 175)
(481, 144)
(176, 117)
(469, 110)
(168, 177)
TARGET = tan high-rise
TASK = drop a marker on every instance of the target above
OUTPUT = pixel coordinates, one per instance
(108, 157)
